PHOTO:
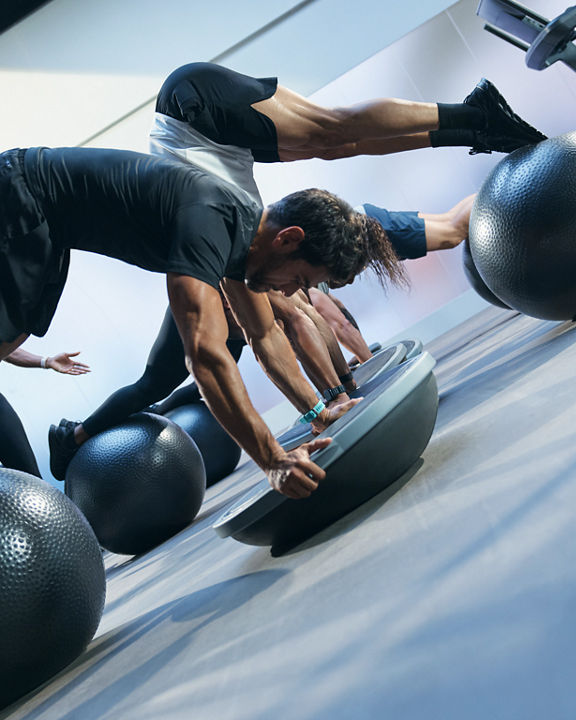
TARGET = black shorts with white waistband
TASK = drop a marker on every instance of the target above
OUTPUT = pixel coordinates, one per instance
(217, 102)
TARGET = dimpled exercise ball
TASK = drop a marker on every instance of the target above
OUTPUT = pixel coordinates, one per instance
(220, 452)
(473, 277)
(138, 483)
(523, 229)
(52, 583)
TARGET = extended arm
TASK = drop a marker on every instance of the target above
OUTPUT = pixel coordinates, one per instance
(200, 318)
(308, 342)
(62, 362)
(347, 334)
(273, 351)
(337, 358)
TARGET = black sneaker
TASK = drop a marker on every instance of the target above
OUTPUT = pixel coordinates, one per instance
(485, 143)
(69, 424)
(62, 449)
(501, 120)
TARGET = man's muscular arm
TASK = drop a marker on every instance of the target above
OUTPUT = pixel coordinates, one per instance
(199, 315)
(273, 350)
(347, 334)
(309, 343)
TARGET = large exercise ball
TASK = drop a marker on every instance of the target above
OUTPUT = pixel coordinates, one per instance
(220, 452)
(138, 483)
(473, 277)
(52, 583)
(523, 229)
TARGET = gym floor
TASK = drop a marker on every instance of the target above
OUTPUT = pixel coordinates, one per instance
(452, 599)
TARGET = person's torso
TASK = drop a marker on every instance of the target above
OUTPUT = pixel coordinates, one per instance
(133, 206)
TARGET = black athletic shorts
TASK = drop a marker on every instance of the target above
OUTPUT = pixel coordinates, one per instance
(33, 268)
(216, 102)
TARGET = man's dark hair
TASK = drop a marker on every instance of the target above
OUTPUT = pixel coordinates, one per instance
(336, 236)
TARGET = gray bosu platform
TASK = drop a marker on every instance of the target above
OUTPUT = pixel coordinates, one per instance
(372, 446)
(453, 599)
(385, 359)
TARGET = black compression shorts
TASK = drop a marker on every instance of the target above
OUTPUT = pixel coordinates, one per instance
(216, 102)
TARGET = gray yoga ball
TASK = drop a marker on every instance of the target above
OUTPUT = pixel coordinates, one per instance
(473, 277)
(138, 483)
(523, 229)
(219, 451)
(52, 583)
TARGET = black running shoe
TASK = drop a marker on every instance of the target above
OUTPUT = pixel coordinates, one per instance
(69, 424)
(501, 120)
(485, 143)
(62, 449)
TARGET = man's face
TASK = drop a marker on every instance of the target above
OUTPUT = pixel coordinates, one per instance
(286, 274)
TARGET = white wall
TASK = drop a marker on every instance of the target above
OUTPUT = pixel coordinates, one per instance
(74, 69)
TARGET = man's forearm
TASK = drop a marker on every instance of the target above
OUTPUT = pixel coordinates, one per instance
(275, 355)
(353, 341)
(312, 351)
(225, 394)
(337, 359)
(23, 358)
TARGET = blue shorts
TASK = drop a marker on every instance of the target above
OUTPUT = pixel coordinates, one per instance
(405, 231)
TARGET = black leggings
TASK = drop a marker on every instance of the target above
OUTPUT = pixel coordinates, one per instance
(165, 370)
(15, 450)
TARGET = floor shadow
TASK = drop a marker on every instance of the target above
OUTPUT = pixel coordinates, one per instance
(112, 660)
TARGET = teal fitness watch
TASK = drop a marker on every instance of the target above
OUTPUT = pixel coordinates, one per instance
(313, 414)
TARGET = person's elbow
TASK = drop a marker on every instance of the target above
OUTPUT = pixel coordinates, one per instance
(204, 357)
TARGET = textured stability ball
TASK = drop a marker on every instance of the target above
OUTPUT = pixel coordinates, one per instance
(476, 281)
(138, 483)
(220, 452)
(52, 583)
(523, 229)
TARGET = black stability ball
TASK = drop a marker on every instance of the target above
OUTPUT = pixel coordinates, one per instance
(523, 229)
(52, 583)
(473, 277)
(138, 483)
(220, 452)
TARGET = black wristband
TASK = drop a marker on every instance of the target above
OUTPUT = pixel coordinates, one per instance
(332, 393)
(346, 378)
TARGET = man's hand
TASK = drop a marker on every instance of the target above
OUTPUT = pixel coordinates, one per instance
(333, 412)
(294, 474)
